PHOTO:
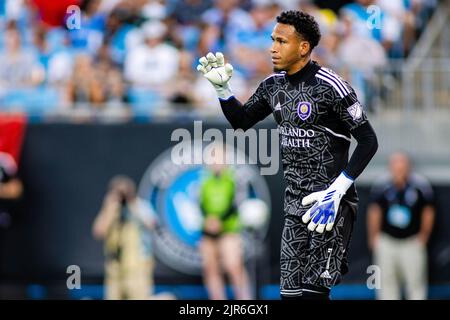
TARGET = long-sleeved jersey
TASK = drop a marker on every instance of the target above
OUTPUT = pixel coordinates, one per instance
(317, 112)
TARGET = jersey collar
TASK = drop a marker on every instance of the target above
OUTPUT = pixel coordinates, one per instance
(304, 73)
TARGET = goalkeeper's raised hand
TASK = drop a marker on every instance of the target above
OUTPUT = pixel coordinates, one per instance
(217, 72)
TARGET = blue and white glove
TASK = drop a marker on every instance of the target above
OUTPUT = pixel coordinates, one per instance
(217, 72)
(323, 213)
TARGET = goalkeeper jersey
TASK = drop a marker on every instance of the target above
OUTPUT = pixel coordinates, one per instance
(316, 112)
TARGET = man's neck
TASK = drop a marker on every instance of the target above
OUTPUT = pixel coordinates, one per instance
(299, 65)
(400, 184)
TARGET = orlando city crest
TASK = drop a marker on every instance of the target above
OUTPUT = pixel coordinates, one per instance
(304, 110)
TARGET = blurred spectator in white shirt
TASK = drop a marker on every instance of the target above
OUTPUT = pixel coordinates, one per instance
(18, 67)
(154, 63)
(403, 12)
(61, 61)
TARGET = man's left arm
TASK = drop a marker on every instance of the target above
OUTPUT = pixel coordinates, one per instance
(367, 145)
(427, 222)
(428, 211)
(323, 213)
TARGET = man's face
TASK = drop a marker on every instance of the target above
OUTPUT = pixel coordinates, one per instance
(365, 3)
(153, 42)
(399, 166)
(287, 47)
(12, 40)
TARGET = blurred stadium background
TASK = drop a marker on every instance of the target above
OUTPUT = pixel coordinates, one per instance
(85, 99)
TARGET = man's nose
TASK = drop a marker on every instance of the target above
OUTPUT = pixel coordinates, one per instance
(273, 48)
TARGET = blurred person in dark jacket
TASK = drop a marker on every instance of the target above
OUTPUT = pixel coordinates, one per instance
(400, 220)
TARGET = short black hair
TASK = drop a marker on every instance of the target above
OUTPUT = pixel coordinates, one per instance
(304, 24)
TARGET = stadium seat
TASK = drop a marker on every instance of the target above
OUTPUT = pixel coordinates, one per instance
(33, 101)
(143, 102)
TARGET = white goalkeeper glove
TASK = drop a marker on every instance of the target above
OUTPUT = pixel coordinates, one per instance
(217, 72)
(323, 213)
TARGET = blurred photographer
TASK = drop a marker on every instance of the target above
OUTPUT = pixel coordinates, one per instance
(125, 223)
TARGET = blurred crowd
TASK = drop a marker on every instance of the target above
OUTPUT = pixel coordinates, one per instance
(138, 57)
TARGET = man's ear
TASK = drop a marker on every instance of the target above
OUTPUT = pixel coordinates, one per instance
(304, 48)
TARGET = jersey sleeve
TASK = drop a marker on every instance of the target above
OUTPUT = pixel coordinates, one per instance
(254, 110)
(425, 188)
(350, 112)
(342, 99)
(349, 109)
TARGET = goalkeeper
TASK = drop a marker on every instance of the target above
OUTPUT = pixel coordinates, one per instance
(317, 113)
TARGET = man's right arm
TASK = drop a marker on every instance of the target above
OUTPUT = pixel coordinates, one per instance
(246, 116)
(240, 116)
(428, 212)
(105, 217)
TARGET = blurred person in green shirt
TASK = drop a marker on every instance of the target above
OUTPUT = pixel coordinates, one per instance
(221, 245)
